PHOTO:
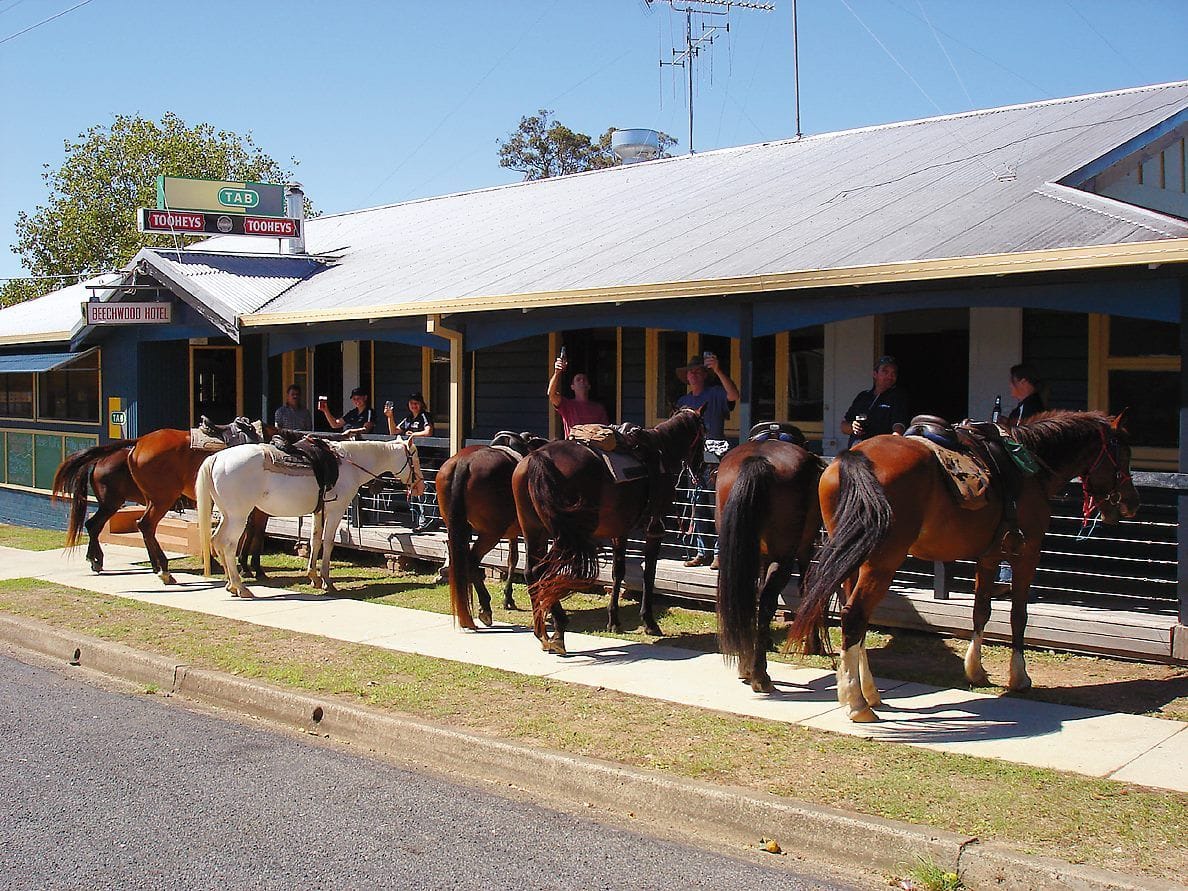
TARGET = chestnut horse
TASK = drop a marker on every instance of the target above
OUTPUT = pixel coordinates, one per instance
(474, 494)
(768, 518)
(888, 497)
(154, 470)
(565, 491)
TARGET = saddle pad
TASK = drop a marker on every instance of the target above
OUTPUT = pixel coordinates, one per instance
(968, 477)
(510, 452)
(598, 436)
(204, 442)
(276, 461)
(623, 467)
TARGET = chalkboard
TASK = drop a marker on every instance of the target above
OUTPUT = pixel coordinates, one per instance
(79, 443)
(19, 460)
(47, 455)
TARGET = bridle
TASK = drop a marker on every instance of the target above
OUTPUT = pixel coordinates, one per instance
(408, 463)
(1093, 501)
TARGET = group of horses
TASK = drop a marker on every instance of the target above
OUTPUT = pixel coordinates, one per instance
(883, 499)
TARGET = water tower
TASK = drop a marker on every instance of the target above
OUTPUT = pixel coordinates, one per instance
(633, 146)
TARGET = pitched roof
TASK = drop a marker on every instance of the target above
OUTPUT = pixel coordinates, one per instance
(53, 317)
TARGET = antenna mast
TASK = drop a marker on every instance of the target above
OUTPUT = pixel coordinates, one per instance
(684, 58)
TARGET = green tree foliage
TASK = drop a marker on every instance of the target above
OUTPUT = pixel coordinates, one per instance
(89, 222)
(542, 147)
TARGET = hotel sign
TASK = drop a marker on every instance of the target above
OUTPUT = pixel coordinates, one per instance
(220, 196)
(129, 313)
(183, 222)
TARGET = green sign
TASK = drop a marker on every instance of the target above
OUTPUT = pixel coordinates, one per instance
(175, 193)
(239, 198)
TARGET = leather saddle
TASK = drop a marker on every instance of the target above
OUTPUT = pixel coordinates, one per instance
(518, 443)
(624, 455)
(986, 443)
(316, 451)
(239, 432)
(777, 430)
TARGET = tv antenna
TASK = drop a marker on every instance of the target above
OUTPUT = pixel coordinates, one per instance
(685, 57)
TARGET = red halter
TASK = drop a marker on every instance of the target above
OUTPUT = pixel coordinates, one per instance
(1092, 502)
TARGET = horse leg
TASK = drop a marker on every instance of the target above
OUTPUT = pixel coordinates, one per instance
(855, 617)
(513, 557)
(619, 569)
(147, 524)
(1023, 572)
(94, 527)
(652, 538)
(224, 543)
(482, 546)
(315, 549)
(778, 574)
(560, 622)
(975, 671)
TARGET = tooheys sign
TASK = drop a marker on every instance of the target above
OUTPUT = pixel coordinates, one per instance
(190, 222)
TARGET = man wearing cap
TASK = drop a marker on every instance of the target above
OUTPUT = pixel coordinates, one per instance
(884, 408)
(360, 419)
(715, 404)
(581, 409)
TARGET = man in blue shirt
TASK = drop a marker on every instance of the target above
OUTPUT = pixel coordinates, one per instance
(882, 409)
(715, 404)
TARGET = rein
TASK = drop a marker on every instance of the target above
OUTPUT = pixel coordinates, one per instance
(1092, 502)
(375, 476)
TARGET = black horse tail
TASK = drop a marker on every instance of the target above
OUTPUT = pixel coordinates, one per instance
(572, 559)
(738, 559)
(73, 478)
(863, 519)
(458, 532)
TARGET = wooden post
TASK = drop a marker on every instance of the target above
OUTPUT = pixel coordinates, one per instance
(434, 326)
(1182, 498)
(743, 378)
(941, 573)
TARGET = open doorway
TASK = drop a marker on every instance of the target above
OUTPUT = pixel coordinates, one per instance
(933, 352)
(215, 373)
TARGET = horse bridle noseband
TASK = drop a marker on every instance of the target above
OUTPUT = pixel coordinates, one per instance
(408, 463)
(1092, 501)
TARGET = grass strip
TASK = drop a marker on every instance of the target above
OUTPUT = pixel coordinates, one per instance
(1100, 822)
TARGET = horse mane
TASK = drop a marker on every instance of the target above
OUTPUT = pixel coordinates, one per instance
(660, 438)
(1052, 435)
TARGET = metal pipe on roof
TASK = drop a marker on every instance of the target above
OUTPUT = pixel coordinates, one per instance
(295, 210)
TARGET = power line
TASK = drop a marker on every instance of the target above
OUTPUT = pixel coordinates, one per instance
(43, 21)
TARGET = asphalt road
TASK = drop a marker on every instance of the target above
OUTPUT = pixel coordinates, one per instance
(113, 789)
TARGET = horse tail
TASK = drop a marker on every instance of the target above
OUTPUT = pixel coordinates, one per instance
(572, 559)
(458, 540)
(72, 479)
(203, 491)
(738, 556)
(863, 517)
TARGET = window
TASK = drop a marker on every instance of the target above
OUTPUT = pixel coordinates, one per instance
(16, 395)
(70, 392)
(806, 374)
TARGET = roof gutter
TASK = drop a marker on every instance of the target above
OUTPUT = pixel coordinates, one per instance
(1146, 253)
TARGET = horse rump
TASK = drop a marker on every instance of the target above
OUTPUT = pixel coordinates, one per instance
(738, 559)
(862, 519)
(72, 478)
(458, 532)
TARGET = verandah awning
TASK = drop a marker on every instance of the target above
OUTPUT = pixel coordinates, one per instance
(38, 362)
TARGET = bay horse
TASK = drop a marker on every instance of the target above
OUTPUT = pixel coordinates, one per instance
(768, 518)
(236, 481)
(474, 495)
(155, 470)
(565, 491)
(888, 497)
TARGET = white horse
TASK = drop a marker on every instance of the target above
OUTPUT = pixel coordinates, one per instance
(236, 480)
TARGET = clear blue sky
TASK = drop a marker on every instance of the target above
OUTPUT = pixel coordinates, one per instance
(380, 102)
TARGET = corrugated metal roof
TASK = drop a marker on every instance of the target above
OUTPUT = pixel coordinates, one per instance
(52, 317)
(944, 191)
(38, 362)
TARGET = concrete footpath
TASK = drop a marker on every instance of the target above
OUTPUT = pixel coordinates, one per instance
(1128, 748)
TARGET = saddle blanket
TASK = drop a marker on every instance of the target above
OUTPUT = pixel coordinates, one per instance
(276, 461)
(623, 467)
(968, 477)
(231, 435)
(204, 442)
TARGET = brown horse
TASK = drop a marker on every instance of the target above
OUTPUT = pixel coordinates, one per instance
(768, 517)
(888, 497)
(474, 494)
(564, 490)
(154, 470)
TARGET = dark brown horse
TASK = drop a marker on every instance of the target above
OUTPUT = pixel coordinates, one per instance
(888, 497)
(154, 470)
(474, 495)
(565, 491)
(768, 518)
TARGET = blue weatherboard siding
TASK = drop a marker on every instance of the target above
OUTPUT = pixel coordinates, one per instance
(510, 387)
(634, 362)
(397, 373)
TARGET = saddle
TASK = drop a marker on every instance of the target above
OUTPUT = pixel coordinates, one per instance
(212, 437)
(977, 455)
(621, 452)
(313, 451)
(778, 430)
(516, 445)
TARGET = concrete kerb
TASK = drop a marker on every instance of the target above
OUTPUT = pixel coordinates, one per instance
(651, 797)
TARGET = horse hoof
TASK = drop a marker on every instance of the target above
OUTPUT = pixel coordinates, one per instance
(762, 684)
(864, 716)
(96, 566)
(980, 679)
(167, 578)
(654, 630)
(614, 627)
(485, 617)
(510, 604)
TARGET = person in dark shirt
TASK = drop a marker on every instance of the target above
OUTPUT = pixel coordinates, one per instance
(1025, 386)
(360, 419)
(884, 408)
(416, 423)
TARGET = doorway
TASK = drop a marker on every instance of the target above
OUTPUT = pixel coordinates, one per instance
(933, 352)
(215, 391)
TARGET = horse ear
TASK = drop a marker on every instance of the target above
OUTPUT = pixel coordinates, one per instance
(701, 410)
(1119, 421)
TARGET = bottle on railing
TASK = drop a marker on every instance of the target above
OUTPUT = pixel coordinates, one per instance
(996, 412)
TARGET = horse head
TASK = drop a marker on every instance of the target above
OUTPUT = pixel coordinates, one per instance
(687, 435)
(1109, 489)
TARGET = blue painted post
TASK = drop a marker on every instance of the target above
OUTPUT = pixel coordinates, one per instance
(1182, 499)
